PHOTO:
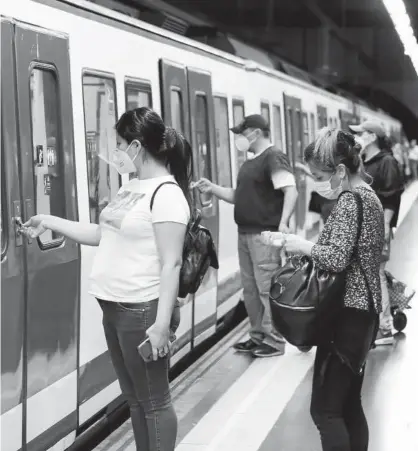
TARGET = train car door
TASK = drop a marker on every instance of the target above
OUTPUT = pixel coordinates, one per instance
(202, 120)
(47, 177)
(12, 257)
(294, 137)
(175, 110)
(187, 104)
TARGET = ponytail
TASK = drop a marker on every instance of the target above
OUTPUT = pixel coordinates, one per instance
(179, 155)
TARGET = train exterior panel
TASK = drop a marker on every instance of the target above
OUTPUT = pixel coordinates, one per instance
(69, 69)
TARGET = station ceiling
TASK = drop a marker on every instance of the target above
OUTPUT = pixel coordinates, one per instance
(261, 22)
(348, 45)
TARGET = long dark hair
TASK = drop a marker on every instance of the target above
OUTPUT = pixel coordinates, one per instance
(163, 143)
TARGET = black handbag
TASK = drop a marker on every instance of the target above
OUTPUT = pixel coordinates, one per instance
(306, 300)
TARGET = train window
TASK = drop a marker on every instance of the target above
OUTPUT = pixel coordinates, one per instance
(305, 126)
(99, 118)
(313, 131)
(299, 137)
(49, 190)
(238, 112)
(265, 111)
(202, 141)
(177, 120)
(223, 152)
(137, 94)
(277, 126)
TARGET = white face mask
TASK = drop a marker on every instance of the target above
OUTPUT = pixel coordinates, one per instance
(359, 140)
(324, 189)
(123, 163)
(242, 143)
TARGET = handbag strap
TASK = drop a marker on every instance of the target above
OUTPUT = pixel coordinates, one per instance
(360, 218)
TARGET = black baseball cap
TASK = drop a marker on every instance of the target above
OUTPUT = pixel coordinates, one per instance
(252, 121)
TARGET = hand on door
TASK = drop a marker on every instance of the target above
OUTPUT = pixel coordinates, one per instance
(34, 227)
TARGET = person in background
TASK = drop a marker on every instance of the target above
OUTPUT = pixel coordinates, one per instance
(405, 153)
(264, 200)
(387, 182)
(135, 274)
(413, 159)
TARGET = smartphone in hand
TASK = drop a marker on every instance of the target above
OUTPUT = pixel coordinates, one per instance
(145, 350)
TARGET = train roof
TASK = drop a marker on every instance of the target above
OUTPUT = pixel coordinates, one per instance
(250, 58)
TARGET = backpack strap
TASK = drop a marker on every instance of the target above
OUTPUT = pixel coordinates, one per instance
(156, 190)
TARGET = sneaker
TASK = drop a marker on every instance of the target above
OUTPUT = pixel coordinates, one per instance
(384, 338)
(265, 350)
(245, 346)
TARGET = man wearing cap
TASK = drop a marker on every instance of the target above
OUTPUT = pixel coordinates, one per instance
(264, 200)
(387, 182)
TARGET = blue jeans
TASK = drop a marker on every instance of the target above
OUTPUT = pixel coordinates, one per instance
(144, 385)
(258, 263)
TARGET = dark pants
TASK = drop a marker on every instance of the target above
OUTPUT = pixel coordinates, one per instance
(336, 404)
(144, 385)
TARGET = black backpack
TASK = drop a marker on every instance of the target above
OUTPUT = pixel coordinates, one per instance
(198, 252)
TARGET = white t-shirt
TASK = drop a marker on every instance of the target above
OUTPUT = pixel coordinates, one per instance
(127, 267)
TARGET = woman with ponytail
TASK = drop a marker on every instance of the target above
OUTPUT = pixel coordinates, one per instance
(135, 275)
(351, 242)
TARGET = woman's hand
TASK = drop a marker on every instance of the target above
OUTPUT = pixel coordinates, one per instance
(275, 239)
(159, 338)
(34, 227)
(294, 244)
(291, 243)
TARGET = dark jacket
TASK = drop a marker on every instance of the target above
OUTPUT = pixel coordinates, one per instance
(387, 181)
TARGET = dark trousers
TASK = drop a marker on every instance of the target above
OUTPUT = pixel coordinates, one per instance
(336, 404)
(144, 385)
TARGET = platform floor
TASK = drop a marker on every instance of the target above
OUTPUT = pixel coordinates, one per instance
(231, 402)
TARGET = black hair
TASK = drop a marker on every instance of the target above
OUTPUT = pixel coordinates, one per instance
(163, 143)
(333, 147)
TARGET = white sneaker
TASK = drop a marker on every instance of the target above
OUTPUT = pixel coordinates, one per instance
(384, 338)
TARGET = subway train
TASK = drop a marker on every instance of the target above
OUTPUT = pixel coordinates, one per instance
(69, 69)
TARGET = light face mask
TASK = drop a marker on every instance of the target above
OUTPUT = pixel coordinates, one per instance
(242, 143)
(122, 162)
(324, 189)
(359, 140)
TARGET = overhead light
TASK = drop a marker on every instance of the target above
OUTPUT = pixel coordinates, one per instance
(402, 22)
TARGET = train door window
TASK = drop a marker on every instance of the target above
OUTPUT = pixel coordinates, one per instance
(289, 134)
(238, 112)
(3, 217)
(177, 120)
(48, 181)
(299, 136)
(223, 153)
(100, 116)
(265, 112)
(305, 126)
(313, 131)
(202, 141)
(137, 94)
(277, 126)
